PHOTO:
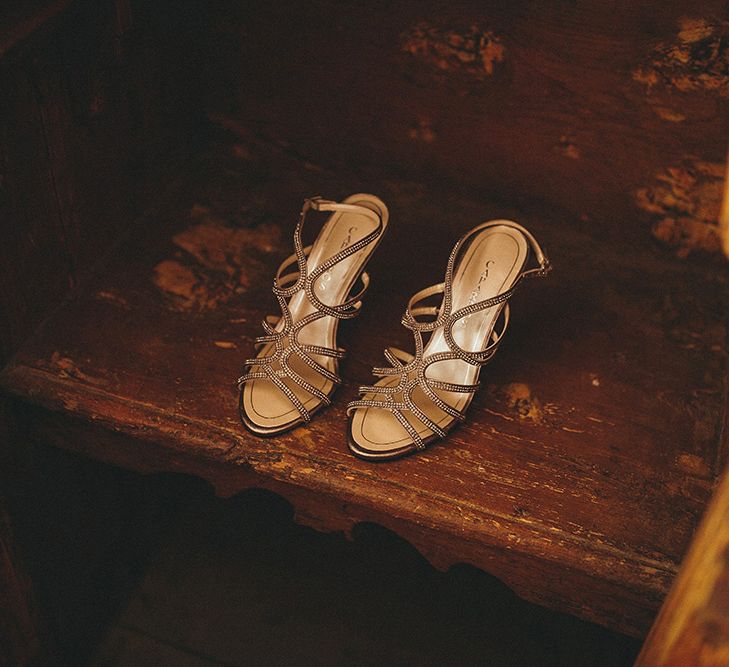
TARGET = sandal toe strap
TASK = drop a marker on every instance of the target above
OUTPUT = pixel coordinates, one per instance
(281, 333)
(415, 310)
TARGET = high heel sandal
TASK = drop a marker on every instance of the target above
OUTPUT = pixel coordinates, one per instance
(420, 397)
(295, 372)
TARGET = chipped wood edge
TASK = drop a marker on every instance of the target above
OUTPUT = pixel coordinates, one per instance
(692, 628)
(724, 215)
(549, 583)
(148, 422)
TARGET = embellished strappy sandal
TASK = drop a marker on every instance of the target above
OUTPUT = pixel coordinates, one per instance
(295, 372)
(420, 397)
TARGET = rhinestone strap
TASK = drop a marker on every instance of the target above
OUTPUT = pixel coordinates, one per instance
(411, 369)
(284, 337)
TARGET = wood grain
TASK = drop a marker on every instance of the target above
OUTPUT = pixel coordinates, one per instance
(592, 450)
(693, 626)
(92, 108)
(588, 456)
(583, 104)
(19, 639)
(92, 111)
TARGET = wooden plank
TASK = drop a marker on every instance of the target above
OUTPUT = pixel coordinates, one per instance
(693, 625)
(19, 640)
(125, 646)
(30, 223)
(608, 603)
(92, 111)
(20, 20)
(619, 115)
(588, 457)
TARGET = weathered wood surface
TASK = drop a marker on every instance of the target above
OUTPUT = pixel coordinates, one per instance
(588, 457)
(19, 641)
(94, 99)
(620, 114)
(693, 626)
(19, 19)
(96, 103)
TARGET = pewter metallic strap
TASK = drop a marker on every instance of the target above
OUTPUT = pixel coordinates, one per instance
(411, 368)
(285, 341)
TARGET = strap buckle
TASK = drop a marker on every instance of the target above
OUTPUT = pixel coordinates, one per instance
(315, 203)
(545, 267)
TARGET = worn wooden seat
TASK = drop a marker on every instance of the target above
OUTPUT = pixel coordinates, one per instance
(588, 456)
(594, 447)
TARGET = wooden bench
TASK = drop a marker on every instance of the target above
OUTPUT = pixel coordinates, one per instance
(587, 460)
(588, 456)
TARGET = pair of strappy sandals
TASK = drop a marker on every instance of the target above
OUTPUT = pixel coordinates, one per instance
(419, 397)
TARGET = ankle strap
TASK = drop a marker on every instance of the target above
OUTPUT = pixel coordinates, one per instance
(544, 265)
(287, 285)
(442, 313)
(318, 203)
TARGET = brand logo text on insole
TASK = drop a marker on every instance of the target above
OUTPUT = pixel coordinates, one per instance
(476, 291)
(326, 277)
